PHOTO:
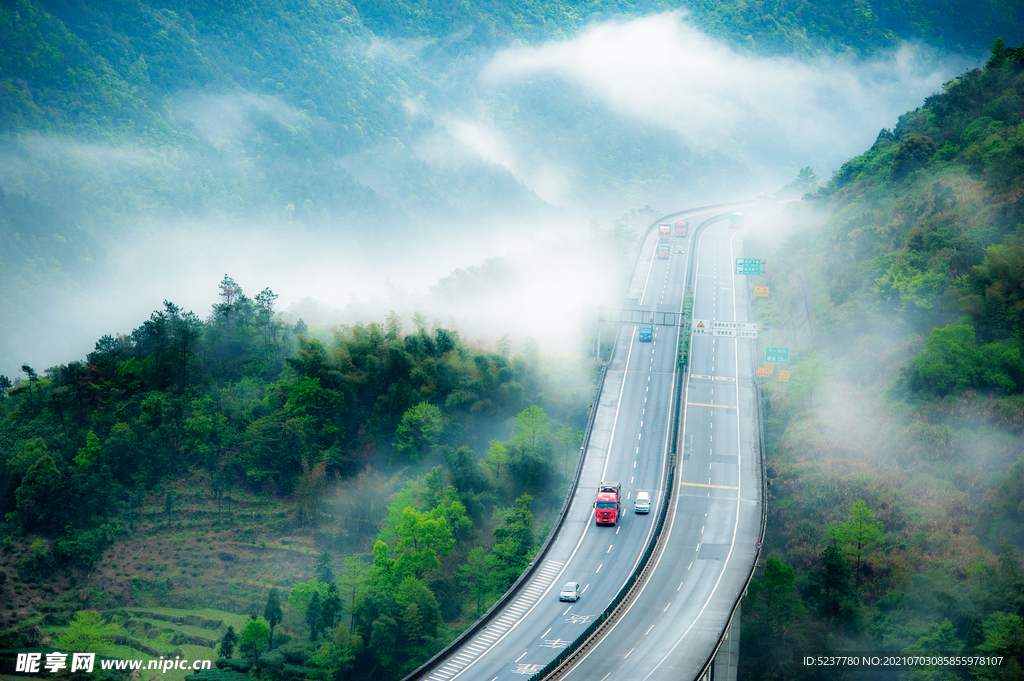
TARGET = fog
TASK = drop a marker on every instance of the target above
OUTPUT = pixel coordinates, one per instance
(777, 114)
(501, 188)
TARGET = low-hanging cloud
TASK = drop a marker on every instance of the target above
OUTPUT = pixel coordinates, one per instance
(661, 70)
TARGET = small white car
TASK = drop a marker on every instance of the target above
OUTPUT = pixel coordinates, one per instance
(570, 592)
(642, 503)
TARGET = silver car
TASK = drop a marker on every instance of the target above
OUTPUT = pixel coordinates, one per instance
(570, 592)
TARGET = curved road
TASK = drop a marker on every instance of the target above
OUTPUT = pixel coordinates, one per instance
(673, 625)
(630, 443)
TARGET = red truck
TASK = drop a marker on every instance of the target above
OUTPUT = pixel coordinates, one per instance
(663, 249)
(664, 231)
(681, 228)
(606, 508)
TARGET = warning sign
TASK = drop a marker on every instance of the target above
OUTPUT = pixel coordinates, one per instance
(701, 327)
(784, 376)
(760, 291)
(763, 373)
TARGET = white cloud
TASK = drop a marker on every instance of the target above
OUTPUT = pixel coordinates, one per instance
(658, 69)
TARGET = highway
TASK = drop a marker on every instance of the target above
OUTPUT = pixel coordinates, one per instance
(629, 443)
(672, 626)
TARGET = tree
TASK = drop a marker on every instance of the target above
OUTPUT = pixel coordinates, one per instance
(772, 601)
(5, 385)
(531, 426)
(169, 500)
(88, 633)
(324, 570)
(353, 576)
(228, 642)
(331, 608)
(570, 439)
(90, 454)
(272, 612)
(314, 613)
(914, 153)
(859, 536)
(419, 430)
(833, 583)
(477, 575)
(255, 636)
(32, 378)
(514, 543)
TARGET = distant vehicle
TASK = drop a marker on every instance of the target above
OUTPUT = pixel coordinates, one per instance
(736, 220)
(762, 196)
(570, 592)
(681, 228)
(664, 250)
(642, 504)
(664, 231)
(607, 505)
(646, 333)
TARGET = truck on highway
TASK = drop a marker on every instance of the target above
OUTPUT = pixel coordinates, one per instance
(646, 333)
(736, 220)
(664, 249)
(681, 228)
(664, 231)
(606, 508)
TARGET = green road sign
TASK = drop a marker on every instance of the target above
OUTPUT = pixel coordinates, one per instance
(776, 355)
(748, 266)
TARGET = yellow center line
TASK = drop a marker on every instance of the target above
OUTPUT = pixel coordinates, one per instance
(702, 404)
(701, 484)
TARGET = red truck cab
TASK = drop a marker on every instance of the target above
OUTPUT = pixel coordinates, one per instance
(681, 228)
(663, 249)
(606, 508)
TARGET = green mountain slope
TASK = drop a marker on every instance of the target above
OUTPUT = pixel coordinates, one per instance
(895, 519)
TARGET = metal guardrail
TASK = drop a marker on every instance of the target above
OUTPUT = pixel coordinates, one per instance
(428, 666)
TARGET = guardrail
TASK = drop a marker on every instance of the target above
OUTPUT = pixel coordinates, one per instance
(428, 666)
(565, 659)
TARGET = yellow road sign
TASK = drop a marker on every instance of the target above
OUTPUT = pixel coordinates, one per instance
(760, 291)
(784, 376)
(761, 371)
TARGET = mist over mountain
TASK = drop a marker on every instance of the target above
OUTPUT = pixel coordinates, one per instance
(366, 130)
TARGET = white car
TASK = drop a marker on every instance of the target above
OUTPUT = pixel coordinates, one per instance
(570, 592)
(642, 503)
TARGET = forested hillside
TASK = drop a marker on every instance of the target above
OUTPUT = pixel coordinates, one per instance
(414, 463)
(895, 451)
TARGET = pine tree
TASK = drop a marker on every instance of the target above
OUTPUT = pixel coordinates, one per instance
(228, 642)
(272, 613)
(314, 612)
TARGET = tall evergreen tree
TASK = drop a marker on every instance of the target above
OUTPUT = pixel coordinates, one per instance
(272, 613)
(228, 642)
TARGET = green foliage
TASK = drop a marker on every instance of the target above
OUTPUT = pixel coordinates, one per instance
(419, 430)
(87, 633)
(302, 593)
(255, 639)
(514, 543)
(953, 362)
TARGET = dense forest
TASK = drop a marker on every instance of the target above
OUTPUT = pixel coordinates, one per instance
(895, 522)
(417, 463)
